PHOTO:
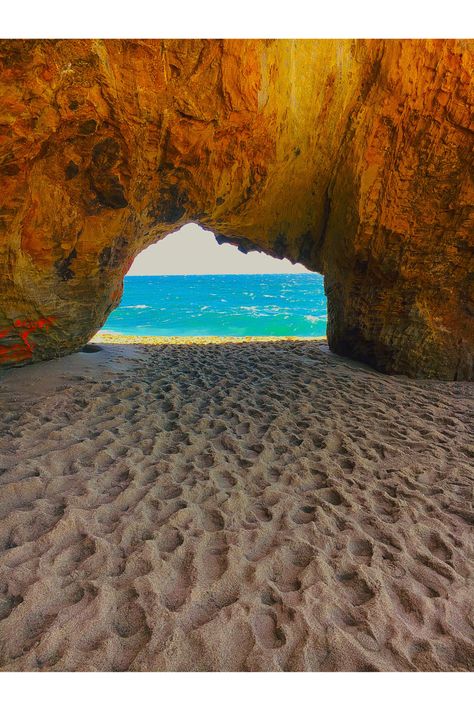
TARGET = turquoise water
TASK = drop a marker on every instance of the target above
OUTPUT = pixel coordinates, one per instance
(221, 305)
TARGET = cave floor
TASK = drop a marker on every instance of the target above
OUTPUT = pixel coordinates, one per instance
(253, 506)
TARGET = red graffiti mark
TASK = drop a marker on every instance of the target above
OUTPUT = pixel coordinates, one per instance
(23, 350)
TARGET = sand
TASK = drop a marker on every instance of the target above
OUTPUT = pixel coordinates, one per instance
(233, 506)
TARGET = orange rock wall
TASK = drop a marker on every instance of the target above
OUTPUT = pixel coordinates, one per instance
(352, 157)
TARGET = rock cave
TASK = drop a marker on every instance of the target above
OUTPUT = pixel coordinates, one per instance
(353, 157)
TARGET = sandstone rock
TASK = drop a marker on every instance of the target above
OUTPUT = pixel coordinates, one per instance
(352, 157)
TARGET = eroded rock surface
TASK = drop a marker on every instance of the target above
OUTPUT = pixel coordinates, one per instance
(352, 157)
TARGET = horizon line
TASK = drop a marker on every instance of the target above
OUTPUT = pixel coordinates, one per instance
(131, 276)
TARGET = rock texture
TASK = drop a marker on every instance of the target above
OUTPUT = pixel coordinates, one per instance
(352, 157)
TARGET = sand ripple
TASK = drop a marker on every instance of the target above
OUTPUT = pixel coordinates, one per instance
(256, 506)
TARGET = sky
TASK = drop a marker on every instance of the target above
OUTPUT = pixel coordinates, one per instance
(192, 250)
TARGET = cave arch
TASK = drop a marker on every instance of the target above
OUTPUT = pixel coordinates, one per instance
(191, 250)
(187, 285)
(351, 157)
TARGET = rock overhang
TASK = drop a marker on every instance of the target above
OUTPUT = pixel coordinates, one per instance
(349, 156)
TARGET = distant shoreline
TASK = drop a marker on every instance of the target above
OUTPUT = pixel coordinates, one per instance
(194, 340)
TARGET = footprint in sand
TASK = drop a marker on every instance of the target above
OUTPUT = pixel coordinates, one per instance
(258, 545)
(243, 428)
(206, 460)
(285, 578)
(386, 508)
(213, 563)
(129, 620)
(212, 521)
(300, 554)
(330, 496)
(267, 633)
(274, 475)
(73, 554)
(228, 443)
(365, 637)
(357, 589)
(8, 604)
(421, 654)
(169, 539)
(268, 597)
(317, 481)
(175, 590)
(304, 514)
(438, 547)
(333, 442)
(261, 513)
(361, 548)
(167, 491)
(225, 481)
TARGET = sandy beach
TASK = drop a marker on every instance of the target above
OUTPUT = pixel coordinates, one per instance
(228, 506)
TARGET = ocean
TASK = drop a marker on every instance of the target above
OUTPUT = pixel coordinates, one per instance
(221, 305)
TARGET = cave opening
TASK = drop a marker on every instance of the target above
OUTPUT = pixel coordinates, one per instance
(190, 285)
